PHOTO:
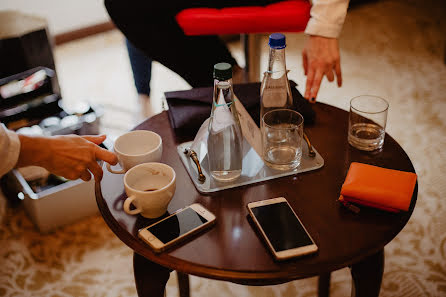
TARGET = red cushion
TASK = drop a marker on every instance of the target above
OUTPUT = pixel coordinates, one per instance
(286, 16)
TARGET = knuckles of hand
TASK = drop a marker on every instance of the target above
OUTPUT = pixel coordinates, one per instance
(323, 63)
(80, 167)
(72, 175)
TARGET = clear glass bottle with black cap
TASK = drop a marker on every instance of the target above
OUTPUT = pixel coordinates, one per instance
(225, 135)
(275, 91)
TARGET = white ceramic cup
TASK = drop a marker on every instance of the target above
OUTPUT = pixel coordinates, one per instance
(137, 147)
(149, 187)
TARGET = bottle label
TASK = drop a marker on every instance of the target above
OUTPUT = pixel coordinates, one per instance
(222, 117)
(275, 93)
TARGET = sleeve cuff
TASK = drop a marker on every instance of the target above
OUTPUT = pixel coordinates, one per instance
(314, 27)
(327, 18)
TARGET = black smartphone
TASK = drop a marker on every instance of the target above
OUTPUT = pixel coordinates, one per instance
(177, 227)
(282, 230)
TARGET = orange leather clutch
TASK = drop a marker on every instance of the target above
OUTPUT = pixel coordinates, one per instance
(382, 188)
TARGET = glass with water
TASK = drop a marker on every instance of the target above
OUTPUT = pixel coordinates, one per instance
(282, 131)
(367, 122)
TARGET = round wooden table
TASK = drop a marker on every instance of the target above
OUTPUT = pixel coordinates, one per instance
(232, 250)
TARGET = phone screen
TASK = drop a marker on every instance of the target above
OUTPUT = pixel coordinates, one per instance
(177, 225)
(281, 226)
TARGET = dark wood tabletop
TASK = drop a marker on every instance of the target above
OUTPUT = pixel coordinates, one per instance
(232, 250)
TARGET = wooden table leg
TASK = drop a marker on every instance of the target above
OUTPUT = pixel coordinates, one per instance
(367, 275)
(150, 278)
(324, 285)
(183, 284)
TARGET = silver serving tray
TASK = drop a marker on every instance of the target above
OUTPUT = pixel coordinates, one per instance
(254, 170)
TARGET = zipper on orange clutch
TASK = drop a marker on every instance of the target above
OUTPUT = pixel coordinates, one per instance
(349, 205)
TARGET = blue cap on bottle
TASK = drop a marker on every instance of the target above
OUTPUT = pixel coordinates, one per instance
(277, 41)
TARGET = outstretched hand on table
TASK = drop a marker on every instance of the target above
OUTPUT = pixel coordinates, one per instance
(320, 57)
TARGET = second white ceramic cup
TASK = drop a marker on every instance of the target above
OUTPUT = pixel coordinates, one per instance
(149, 187)
(137, 147)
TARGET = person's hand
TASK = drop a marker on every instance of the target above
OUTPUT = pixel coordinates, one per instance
(70, 156)
(320, 57)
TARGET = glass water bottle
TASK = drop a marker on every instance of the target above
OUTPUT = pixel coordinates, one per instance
(225, 135)
(275, 91)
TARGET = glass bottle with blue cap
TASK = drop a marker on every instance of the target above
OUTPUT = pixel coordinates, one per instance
(275, 91)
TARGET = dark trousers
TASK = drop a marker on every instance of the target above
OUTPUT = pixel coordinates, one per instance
(141, 68)
(151, 27)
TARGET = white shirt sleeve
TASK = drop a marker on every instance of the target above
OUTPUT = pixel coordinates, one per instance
(327, 17)
(9, 149)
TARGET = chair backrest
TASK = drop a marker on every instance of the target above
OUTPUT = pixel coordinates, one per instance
(284, 16)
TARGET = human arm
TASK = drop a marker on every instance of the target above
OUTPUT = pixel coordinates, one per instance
(320, 55)
(70, 156)
(9, 149)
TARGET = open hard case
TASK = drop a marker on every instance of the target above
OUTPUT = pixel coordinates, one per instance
(30, 103)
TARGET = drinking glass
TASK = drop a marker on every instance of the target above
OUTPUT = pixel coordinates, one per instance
(367, 122)
(282, 131)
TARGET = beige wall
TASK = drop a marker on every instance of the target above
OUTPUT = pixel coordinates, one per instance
(62, 15)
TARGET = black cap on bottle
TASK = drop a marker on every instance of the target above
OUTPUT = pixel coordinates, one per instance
(222, 71)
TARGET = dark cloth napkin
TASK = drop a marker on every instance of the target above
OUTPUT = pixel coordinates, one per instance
(189, 109)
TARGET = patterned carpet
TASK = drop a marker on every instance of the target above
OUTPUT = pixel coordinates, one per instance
(393, 49)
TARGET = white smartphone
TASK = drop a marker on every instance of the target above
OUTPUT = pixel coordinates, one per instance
(177, 227)
(281, 229)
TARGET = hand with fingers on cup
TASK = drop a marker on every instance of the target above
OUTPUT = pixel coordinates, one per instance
(70, 156)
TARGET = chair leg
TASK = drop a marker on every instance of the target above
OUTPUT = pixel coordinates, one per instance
(251, 48)
(324, 285)
(245, 46)
(183, 284)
